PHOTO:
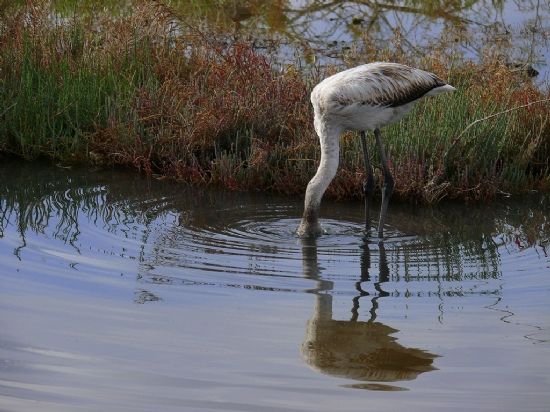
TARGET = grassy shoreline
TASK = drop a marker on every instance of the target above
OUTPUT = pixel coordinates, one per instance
(153, 92)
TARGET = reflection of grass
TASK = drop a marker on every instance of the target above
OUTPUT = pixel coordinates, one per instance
(153, 92)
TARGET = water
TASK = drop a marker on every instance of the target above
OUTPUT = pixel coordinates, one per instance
(121, 292)
(331, 28)
(326, 32)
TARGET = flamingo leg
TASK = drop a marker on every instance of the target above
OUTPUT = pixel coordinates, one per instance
(387, 188)
(369, 182)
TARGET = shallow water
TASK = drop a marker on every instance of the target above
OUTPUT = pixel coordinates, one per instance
(120, 292)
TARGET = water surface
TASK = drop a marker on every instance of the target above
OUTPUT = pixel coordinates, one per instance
(330, 31)
(122, 292)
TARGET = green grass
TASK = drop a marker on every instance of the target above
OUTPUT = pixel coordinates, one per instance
(153, 92)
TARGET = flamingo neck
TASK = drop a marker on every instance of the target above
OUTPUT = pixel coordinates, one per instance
(329, 136)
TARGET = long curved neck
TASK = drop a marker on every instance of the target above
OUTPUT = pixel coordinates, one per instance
(329, 136)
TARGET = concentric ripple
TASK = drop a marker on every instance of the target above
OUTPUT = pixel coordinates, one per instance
(255, 246)
(257, 249)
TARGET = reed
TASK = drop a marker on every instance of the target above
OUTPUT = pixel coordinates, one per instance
(154, 92)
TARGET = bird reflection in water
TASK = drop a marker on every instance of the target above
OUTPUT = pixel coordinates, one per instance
(364, 351)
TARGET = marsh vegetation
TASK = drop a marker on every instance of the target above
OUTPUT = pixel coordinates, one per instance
(158, 91)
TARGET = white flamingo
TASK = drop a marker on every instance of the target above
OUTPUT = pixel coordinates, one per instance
(364, 98)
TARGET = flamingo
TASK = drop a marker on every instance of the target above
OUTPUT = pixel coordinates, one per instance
(362, 99)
